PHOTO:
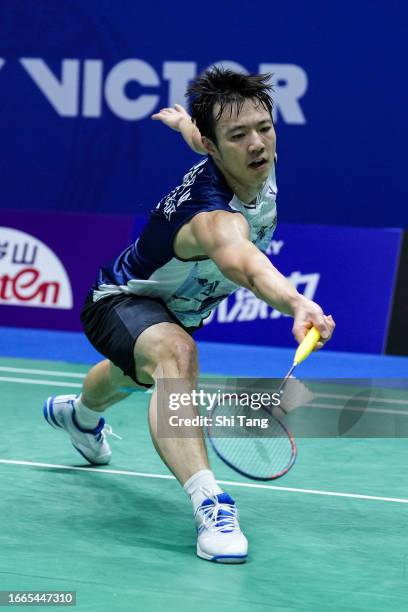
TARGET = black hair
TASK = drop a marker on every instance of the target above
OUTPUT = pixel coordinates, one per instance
(227, 89)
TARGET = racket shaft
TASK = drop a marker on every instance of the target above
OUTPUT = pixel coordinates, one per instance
(285, 380)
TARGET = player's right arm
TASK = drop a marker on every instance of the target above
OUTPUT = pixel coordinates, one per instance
(178, 119)
(224, 238)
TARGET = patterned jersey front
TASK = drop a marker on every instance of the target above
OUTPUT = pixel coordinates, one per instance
(149, 267)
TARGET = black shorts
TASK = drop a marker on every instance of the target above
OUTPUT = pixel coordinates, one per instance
(114, 323)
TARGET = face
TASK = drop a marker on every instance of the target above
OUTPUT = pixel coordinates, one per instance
(245, 146)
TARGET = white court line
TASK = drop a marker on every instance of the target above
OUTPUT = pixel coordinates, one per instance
(79, 375)
(45, 372)
(225, 482)
(362, 398)
(32, 381)
(355, 409)
(330, 395)
(52, 383)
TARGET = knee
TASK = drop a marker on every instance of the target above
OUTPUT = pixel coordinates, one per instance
(184, 352)
(178, 357)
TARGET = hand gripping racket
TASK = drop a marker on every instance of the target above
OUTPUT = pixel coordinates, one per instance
(256, 444)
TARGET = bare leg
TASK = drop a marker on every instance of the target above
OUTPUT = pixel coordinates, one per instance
(167, 351)
(104, 385)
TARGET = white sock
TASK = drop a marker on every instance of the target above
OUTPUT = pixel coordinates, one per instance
(204, 479)
(87, 418)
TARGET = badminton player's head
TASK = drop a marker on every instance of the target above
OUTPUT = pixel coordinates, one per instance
(233, 112)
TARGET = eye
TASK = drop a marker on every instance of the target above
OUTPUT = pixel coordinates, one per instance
(237, 136)
(266, 128)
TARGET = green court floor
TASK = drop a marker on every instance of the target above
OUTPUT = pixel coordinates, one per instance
(123, 536)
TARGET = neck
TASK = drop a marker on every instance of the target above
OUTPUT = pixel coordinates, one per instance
(245, 193)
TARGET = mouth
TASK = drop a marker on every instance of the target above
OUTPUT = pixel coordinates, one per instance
(258, 164)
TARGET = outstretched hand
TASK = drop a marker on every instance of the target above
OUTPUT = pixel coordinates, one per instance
(309, 314)
(172, 117)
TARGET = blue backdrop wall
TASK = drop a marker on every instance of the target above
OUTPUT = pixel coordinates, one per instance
(79, 80)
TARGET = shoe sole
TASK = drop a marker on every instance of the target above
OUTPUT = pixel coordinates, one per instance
(221, 558)
(48, 411)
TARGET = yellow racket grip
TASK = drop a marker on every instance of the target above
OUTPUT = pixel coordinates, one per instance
(307, 345)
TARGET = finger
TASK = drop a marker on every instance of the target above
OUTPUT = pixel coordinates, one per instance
(323, 328)
(330, 326)
(300, 331)
(159, 116)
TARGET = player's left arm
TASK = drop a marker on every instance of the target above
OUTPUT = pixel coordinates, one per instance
(178, 119)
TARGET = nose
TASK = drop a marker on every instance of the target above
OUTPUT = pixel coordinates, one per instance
(256, 144)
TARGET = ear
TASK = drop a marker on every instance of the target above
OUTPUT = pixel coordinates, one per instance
(209, 146)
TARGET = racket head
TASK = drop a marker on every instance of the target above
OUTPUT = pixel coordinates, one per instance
(259, 453)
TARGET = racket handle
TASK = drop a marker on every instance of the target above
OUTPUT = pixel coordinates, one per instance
(307, 345)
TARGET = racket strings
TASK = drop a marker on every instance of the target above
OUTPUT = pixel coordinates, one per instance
(259, 452)
(258, 458)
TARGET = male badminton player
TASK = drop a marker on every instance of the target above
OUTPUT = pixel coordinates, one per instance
(202, 241)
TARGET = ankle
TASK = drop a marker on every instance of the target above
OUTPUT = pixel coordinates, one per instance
(87, 417)
(200, 485)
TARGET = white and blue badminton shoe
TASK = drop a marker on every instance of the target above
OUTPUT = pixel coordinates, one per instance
(220, 538)
(59, 412)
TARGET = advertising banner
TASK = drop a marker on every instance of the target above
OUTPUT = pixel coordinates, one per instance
(48, 262)
(79, 82)
(350, 272)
